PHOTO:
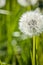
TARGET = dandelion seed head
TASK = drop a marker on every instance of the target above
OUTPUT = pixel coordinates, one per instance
(27, 2)
(2, 3)
(33, 2)
(23, 2)
(31, 23)
(37, 10)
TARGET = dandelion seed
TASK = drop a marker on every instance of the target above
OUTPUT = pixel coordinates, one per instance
(14, 42)
(23, 37)
(31, 23)
(4, 12)
(16, 34)
(18, 49)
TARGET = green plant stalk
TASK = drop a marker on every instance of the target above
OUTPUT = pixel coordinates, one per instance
(0, 29)
(34, 47)
(37, 48)
(9, 50)
(0, 32)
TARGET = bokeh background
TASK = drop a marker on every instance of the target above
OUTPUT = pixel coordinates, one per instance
(15, 47)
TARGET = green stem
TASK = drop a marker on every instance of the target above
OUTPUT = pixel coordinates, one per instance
(37, 48)
(33, 61)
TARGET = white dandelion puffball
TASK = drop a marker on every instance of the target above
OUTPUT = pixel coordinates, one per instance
(23, 2)
(2, 3)
(31, 23)
(37, 10)
(27, 2)
(33, 2)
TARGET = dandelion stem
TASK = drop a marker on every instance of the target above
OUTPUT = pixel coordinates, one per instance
(37, 48)
(33, 60)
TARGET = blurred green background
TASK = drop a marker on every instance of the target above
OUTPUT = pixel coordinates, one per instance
(17, 50)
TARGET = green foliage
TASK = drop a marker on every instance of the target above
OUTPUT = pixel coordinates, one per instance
(9, 24)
